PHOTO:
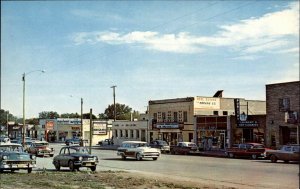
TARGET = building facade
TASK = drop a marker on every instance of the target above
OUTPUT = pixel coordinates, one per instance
(173, 120)
(124, 130)
(60, 129)
(282, 125)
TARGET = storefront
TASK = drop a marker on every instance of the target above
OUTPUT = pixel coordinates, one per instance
(169, 132)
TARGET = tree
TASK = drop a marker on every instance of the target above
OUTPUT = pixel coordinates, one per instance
(103, 116)
(48, 115)
(123, 112)
(87, 116)
(71, 115)
(6, 116)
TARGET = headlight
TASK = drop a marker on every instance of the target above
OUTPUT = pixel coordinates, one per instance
(4, 157)
(33, 157)
(95, 158)
(80, 158)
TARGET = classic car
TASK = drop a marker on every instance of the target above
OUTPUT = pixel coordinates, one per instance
(13, 157)
(72, 141)
(75, 157)
(40, 148)
(137, 150)
(286, 153)
(104, 142)
(160, 144)
(250, 150)
(183, 148)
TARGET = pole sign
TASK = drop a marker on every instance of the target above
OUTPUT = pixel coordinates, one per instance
(241, 119)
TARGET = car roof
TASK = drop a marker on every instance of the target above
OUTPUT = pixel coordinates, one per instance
(134, 142)
(10, 144)
(43, 142)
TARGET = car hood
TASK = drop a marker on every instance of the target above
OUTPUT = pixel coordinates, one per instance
(22, 156)
(82, 155)
(148, 149)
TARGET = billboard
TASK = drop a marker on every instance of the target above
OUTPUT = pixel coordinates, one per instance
(99, 128)
(207, 103)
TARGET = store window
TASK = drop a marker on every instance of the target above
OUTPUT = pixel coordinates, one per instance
(169, 116)
(185, 119)
(159, 117)
(284, 104)
(163, 115)
(126, 133)
(137, 134)
(216, 113)
(175, 116)
(225, 112)
(180, 116)
(116, 133)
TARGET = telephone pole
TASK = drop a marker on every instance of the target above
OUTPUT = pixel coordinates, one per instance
(114, 95)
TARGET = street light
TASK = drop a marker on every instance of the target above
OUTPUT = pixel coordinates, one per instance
(81, 117)
(23, 79)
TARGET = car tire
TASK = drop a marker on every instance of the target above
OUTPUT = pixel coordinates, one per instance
(123, 157)
(51, 155)
(29, 170)
(155, 158)
(93, 168)
(231, 155)
(172, 152)
(57, 165)
(71, 166)
(254, 156)
(286, 161)
(139, 157)
(273, 159)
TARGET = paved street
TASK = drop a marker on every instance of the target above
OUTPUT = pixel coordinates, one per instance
(240, 173)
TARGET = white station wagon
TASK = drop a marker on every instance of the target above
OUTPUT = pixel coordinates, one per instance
(137, 150)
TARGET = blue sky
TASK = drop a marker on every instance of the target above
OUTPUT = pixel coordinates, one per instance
(150, 49)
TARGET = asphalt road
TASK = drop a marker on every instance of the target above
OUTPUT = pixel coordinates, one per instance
(239, 173)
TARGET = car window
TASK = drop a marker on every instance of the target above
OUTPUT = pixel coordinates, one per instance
(296, 149)
(288, 148)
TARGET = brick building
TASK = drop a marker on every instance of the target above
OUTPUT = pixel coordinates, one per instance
(282, 124)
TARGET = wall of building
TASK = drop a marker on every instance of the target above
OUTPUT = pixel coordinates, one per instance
(277, 116)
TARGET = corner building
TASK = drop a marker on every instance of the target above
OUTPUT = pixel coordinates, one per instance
(175, 120)
(283, 108)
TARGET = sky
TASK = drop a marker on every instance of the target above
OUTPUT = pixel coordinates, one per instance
(150, 50)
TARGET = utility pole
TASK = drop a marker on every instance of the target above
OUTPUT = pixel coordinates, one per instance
(114, 95)
(91, 130)
(81, 125)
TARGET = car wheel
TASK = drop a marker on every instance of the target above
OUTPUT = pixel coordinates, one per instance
(286, 161)
(231, 155)
(57, 165)
(273, 159)
(254, 156)
(29, 170)
(155, 158)
(51, 155)
(139, 157)
(93, 168)
(172, 152)
(71, 166)
(123, 157)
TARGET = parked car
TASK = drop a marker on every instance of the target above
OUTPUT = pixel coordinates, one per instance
(160, 144)
(13, 157)
(72, 141)
(286, 153)
(183, 148)
(137, 150)
(4, 140)
(104, 142)
(251, 150)
(40, 148)
(75, 157)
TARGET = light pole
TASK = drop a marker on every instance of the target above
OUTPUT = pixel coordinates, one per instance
(23, 79)
(114, 95)
(81, 117)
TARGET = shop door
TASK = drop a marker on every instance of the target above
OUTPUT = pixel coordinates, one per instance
(248, 135)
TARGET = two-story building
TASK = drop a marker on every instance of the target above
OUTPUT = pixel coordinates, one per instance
(283, 108)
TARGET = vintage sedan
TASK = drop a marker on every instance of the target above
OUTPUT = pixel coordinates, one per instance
(137, 150)
(13, 157)
(40, 148)
(286, 153)
(75, 157)
(160, 144)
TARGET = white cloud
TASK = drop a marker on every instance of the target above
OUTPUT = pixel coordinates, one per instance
(254, 33)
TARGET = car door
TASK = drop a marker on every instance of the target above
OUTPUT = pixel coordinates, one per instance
(64, 153)
(295, 154)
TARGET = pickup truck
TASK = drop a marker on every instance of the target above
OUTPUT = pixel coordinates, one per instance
(183, 148)
(253, 150)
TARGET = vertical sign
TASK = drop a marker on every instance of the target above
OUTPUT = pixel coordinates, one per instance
(237, 109)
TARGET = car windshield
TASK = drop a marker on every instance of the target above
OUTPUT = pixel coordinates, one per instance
(296, 149)
(41, 144)
(164, 143)
(82, 150)
(191, 145)
(8, 148)
(139, 145)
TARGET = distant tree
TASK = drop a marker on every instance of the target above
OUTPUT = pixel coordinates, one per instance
(48, 115)
(103, 116)
(123, 112)
(87, 116)
(33, 121)
(71, 115)
(6, 116)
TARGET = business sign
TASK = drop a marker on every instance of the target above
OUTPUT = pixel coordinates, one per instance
(241, 119)
(167, 126)
(49, 125)
(99, 128)
(207, 103)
